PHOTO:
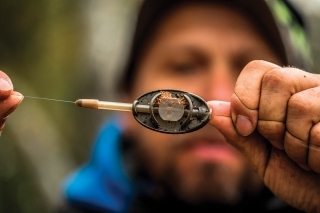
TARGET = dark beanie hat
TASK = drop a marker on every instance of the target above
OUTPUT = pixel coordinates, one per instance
(279, 21)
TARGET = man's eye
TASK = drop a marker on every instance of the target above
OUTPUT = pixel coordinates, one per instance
(185, 67)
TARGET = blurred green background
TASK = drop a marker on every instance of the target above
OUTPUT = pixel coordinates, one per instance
(65, 49)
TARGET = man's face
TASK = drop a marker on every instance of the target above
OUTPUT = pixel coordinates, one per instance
(200, 49)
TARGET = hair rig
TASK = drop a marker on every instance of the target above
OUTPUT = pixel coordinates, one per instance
(167, 111)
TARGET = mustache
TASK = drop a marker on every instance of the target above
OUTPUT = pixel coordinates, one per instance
(208, 133)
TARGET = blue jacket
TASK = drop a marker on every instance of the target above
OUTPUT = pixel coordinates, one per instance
(102, 183)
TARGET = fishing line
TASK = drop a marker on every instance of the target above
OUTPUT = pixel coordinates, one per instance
(93, 103)
(49, 99)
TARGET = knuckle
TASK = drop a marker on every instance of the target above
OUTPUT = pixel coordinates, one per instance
(298, 103)
(257, 63)
(273, 78)
(254, 64)
(260, 65)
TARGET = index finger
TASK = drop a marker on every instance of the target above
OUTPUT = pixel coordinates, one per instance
(266, 87)
(246, 97)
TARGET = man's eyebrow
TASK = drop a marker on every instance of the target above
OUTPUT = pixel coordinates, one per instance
(246, 52)
(190, 49)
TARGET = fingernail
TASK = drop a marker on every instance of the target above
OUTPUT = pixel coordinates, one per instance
(243, 125)
(19, 96)
(4, 85)
(19, 99)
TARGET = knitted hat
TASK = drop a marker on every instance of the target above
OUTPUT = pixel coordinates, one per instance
(278, 20)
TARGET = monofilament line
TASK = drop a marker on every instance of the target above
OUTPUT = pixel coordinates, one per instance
(49, 99)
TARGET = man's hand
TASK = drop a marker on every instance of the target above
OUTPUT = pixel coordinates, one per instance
(9, 99)
(273, 119)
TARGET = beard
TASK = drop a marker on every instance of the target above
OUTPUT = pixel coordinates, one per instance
(195, 181)
(208, 183)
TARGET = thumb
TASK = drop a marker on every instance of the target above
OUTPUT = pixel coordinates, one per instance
(254, 147)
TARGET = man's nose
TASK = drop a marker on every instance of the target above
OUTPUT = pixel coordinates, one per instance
(219, 85)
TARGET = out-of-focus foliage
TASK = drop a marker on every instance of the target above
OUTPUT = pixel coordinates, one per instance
(310, 11)
(19, 190)
(50, 49)
(42, 50)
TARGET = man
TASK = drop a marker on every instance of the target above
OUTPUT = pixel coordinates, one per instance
(267, 112)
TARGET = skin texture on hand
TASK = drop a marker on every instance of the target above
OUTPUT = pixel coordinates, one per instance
(273, 119)
(9, 99)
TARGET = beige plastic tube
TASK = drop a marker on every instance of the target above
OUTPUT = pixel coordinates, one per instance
(107, 105)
